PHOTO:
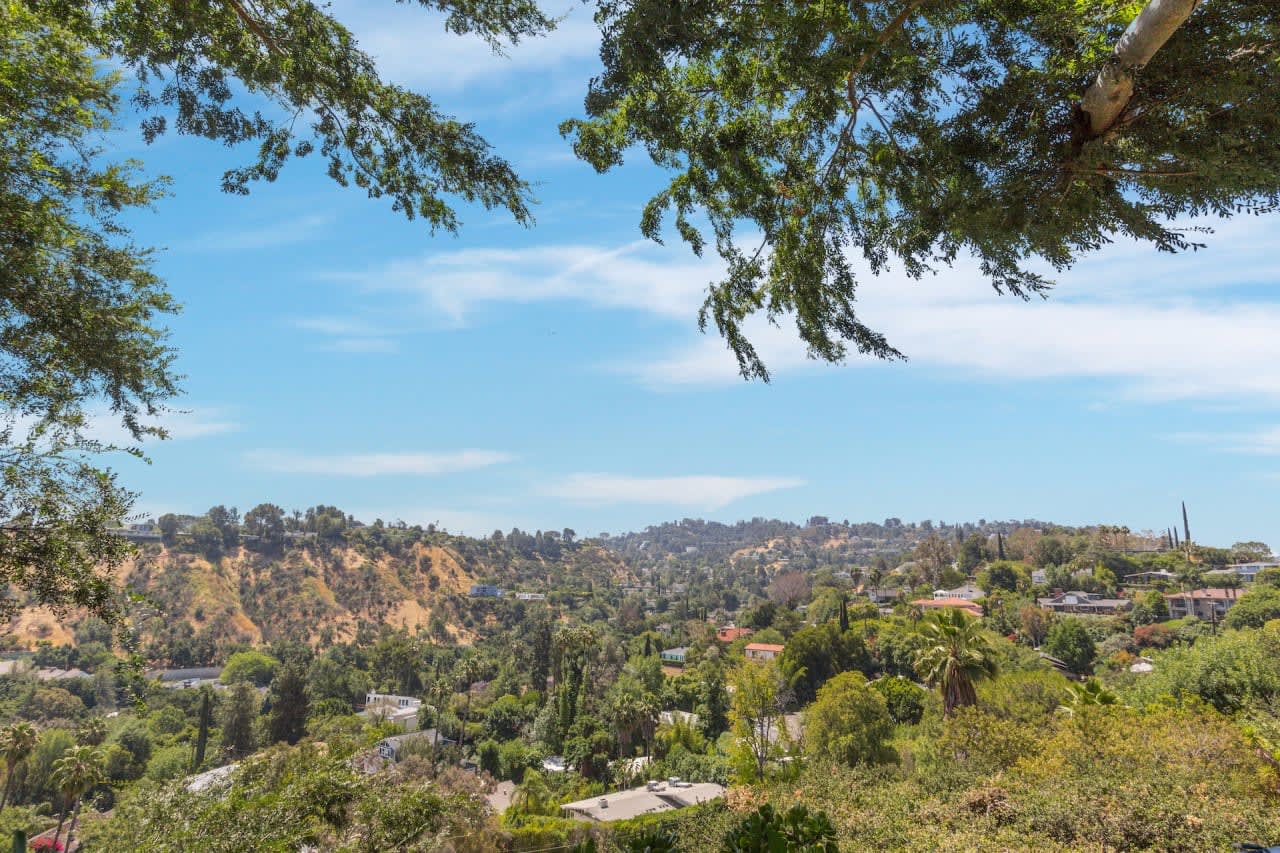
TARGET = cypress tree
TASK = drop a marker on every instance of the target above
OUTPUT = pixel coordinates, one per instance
(202, 740)
(1186, 528)
(999, 545)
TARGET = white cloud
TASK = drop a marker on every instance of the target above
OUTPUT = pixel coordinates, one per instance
(1197, 325)
(375, 464)
(345, 335)
(286, 232)
(412, 47)
(181, 425)
(448, 286)
(1261, 442)
(703, 492)
(1157, 329)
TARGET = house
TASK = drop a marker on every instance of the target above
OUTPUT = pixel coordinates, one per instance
(675, 657)
(54, 674)
(400, 711)
(484, 590)
(1150, 577)
(531, 596)
(371, 699)
(650, 798)
(1207, 604)
(192, 676)
(391, 748)
(1077, 601)
(729, 633)
(883, 595)
(1248, 572)
(948, 603)
(763, 651)
(967, 591)
(1039, 576)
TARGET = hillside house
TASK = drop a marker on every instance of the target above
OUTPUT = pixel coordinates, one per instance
(729, 633)
(1077, 601)
(484, 590)
(650, 798)
(967, 592)
(400, 711)
(1207, 604)
(949, 603)
(390, 748)
(674, 657)
(763, 651)
(1248, 572)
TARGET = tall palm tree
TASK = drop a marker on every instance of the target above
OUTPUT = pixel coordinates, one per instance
(77, 771)
(468, 671)
(16, 744)
(956, 655)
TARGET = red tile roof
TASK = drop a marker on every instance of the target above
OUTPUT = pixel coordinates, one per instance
(765, 647)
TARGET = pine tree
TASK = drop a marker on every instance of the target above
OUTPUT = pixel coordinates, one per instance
(237, 723)
(288, 720)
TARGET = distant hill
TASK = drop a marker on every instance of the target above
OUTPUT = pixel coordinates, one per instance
(196, 603)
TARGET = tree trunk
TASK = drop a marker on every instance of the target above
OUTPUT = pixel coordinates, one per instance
(8, 783)
(61, 818)
(1112, 89)
(71, 830)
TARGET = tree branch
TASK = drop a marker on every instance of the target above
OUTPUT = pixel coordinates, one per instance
(1112, 89)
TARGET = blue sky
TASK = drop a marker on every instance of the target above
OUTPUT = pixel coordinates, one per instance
(555, 376)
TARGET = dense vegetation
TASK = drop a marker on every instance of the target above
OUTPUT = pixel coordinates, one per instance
(903, 730)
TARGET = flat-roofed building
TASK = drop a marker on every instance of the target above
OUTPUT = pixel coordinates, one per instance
(651, 798)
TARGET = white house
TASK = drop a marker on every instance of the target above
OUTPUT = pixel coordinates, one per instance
(967, 591)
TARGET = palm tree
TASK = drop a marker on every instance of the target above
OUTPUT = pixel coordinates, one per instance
(77, 771)
(16, 743)
(956, 655)
(468, 671)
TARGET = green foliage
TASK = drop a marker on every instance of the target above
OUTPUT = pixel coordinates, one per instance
(956, 654)
(815, 654)
(759, 697)
(1255, 608)
(1232, 672)
(849, 723)
(253, 666)
(1070, 642)
(915, 134)
(797, 830)
(903, 698)
(1004, 575)
(79, 315)
(287, 720)
(290, 797)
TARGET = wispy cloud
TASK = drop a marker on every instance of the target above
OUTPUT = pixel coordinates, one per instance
(412, 47)
(1261, 442)
(181, 425)
(1183, 340)
(448, 286)
(701, 492)
(286, 232)
(375, 464)
(345, 335)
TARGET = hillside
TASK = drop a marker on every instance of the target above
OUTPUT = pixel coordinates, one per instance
(198, 601)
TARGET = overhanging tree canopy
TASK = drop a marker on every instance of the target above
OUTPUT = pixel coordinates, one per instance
(916, 131)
